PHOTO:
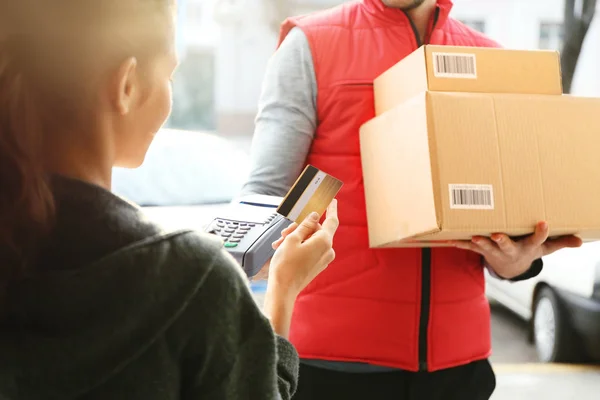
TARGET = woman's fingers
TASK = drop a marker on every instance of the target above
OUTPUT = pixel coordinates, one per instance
(325, 260)
(306, 251)
(291, 228)
(331, 222)
(284, 233)
(263, 274)
(323, 239)
(309, 226)
(318, 236)
(329, 256)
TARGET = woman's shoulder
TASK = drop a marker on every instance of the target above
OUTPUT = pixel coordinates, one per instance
(179, 252)
(94, 225)
(183, 261)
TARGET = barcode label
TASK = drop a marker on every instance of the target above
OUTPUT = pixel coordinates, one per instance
(472, 197)
(454, 65)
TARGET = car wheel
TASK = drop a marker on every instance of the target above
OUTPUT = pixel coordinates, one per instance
(553, 335)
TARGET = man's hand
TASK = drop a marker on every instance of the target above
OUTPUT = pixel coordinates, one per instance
(509, 258)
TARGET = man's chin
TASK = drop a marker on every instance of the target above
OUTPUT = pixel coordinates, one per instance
(403, 5)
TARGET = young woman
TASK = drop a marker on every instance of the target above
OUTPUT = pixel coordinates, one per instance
(96, 301)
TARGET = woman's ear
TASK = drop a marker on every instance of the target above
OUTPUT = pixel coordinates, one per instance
(125, 86)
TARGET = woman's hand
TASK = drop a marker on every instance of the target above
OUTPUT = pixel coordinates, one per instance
(263, 274)
(302, 253)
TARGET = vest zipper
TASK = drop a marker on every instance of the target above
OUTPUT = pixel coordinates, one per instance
(425, 307)
(415, 30)
(436, 16)
(425, 253)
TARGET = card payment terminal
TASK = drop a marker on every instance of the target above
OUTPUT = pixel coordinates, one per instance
(248, 227)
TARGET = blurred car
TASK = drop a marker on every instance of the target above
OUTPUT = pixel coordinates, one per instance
(562, 304)
(186, 178)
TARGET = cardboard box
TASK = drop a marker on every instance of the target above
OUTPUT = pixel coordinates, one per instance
(468, 69)
(446, 166)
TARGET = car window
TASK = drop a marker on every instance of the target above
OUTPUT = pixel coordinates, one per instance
(184, 168)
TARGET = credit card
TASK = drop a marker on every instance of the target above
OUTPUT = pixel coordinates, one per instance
(313, 192)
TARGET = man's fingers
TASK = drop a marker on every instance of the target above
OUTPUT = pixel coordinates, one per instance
(484, 244)
(560, 243)
(467, 245)
(331, 222)
(539, 236)
(505, 244)
(486, 247)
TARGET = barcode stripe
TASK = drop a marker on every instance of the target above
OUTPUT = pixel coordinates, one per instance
(455, 65)
(478, 196)
(472, 197)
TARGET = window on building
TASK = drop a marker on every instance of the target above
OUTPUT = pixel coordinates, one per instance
(193, 92)
(551, 36)
(477, 24)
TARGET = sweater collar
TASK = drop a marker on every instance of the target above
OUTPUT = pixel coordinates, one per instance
(394, 14)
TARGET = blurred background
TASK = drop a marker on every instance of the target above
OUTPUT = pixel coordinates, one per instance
(546, 331)
(225, 45)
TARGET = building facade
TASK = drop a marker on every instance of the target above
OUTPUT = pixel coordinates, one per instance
(534, 24)
(228, 43)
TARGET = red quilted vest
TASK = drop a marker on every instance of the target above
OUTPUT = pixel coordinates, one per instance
(406, 308)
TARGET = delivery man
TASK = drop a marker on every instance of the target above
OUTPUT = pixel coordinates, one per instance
(387, 323)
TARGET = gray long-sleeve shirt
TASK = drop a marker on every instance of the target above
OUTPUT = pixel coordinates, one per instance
(286, 120)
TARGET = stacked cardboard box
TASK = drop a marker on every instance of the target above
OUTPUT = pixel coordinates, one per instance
(471, 141)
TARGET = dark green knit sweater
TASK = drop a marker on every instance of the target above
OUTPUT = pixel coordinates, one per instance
(119, 309)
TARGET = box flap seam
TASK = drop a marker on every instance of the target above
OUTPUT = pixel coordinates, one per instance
(541, 175)
(502, 174)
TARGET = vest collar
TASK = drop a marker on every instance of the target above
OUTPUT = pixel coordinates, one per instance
(394, 15)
